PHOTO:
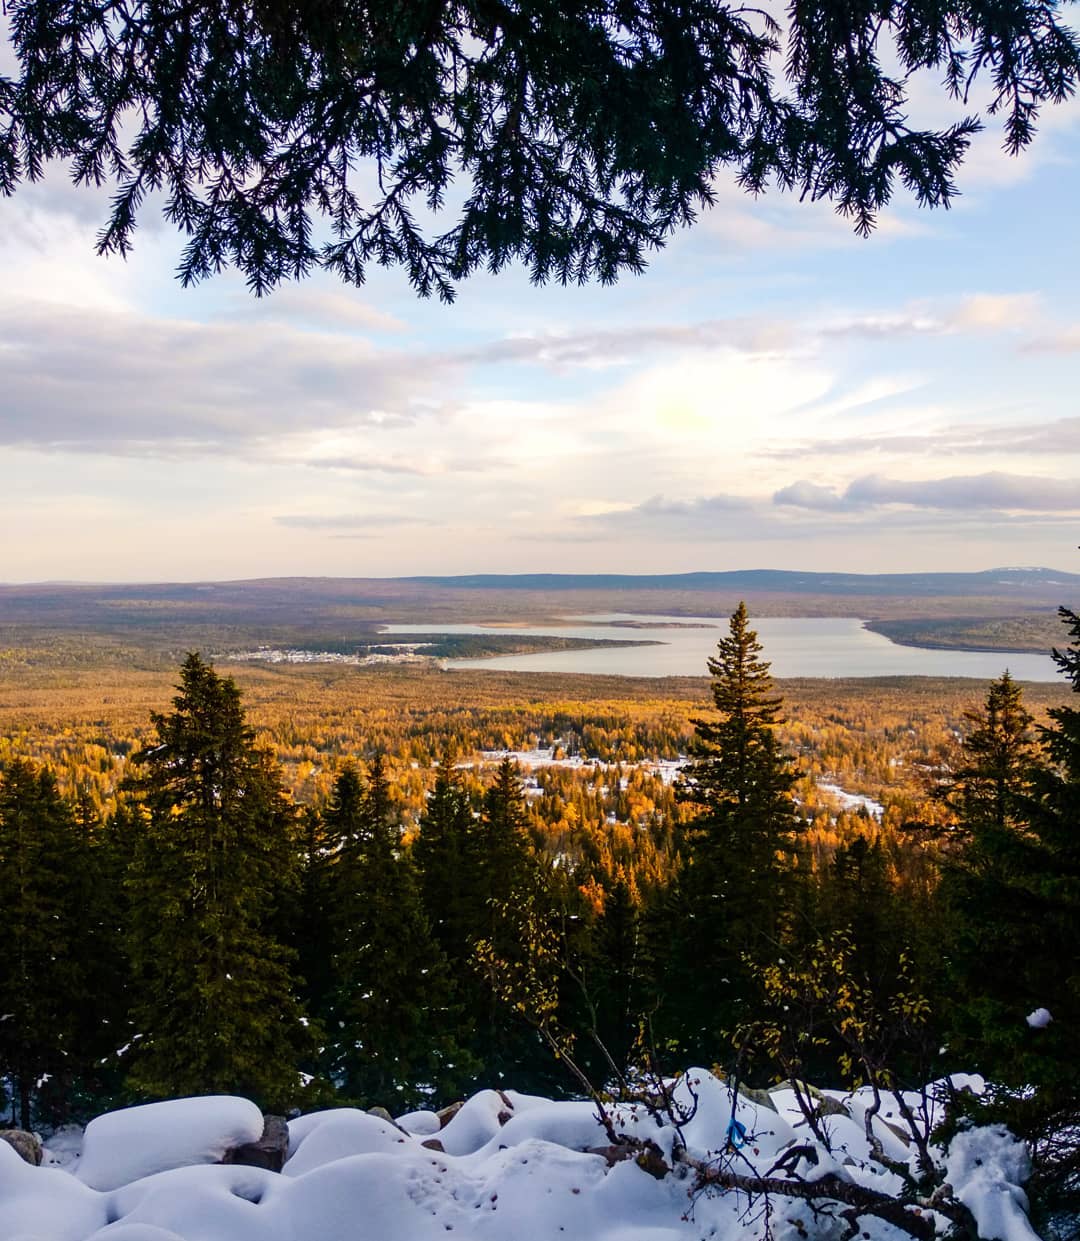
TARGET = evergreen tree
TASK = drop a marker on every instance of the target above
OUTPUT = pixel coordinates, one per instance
(395, 1030)
(444, 856)
(511, 904)
(42, 974)
(579, 137)
(107, 920)
(619, 998)
(214, 1000)
(736, 884)
(1001, 754)
(503, 860)
(314, 935)
(1015, 888)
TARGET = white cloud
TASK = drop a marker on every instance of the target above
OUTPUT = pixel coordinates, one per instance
(970, 492)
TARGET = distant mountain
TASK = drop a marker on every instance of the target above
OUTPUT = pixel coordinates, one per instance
(329, 611)
(989, 582)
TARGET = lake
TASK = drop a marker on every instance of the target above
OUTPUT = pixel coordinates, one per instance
(796, 646)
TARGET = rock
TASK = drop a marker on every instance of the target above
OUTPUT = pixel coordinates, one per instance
(761, 1098)
(652, 1160)
(828, 1106)
(811, 1092)
(26, 1145)
(124, 1146)
(447, 1114)
(612, 1154)
(824, 1105)
(433, 1144)
(506, 1112)
(269, 1152)
(647, 1155)
(382, 1114)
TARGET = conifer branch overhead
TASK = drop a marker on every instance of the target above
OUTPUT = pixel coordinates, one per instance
(573, 138)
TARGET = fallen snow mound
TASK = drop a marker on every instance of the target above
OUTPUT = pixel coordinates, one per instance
(512, 1168)
(125, 1146)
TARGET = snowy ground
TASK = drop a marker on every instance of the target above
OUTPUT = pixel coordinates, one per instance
(512, 1168)
(853, 801)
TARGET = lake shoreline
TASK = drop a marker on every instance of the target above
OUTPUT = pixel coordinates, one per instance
(815, 647)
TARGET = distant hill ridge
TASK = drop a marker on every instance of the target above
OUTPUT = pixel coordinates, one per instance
(787, 581)
(1010, 581)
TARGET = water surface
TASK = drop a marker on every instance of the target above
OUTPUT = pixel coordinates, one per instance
(796, 646)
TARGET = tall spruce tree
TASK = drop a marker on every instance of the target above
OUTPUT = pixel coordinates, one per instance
(736, 882)
(619, 998)
(42, 970)
(510, 902)
(444, 854)
(1015, 892)
(214, 1007)
(395, 1032)
(986, 885)
(1000, 756)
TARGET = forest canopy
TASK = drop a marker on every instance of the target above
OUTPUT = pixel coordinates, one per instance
(574, 138)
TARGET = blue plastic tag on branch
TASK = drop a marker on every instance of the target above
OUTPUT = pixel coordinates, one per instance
(736, 1133)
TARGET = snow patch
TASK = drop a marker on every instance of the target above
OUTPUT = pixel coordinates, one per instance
(124, 1146)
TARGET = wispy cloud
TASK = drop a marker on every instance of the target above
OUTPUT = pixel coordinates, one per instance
(1061, 437)
(996, 491)
(128, 384)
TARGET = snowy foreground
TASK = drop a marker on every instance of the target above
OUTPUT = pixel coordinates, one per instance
(513, 1168)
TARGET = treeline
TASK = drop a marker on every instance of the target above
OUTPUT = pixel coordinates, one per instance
(211, 933)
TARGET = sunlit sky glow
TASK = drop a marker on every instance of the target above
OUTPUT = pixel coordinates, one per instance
(773, 392)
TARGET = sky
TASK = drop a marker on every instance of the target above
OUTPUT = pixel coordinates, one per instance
(774, 392)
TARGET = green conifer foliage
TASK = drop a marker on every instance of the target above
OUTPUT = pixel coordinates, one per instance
(395, 1031)
(443, 854)
(988, 886)
(511, 901)
(107, 913)
(736, 883)
(1001, 753)
(1015, 892)
(619, 998)
(41, 967)
(214, 1009)
(314, 929)
(503, 859)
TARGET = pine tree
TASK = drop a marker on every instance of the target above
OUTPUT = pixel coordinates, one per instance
(1001, 754)
(215, 1007)
(736, 882)
(106, 922)
(502, 857)
(395, 1031)
(42, 979)
(313, 937)
(443, 855)
(1015, 890)
(511, 902)
(619, 998)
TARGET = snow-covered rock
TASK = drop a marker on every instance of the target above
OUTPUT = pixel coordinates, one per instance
(986, 1168)
(124, 1146)
(515, 1168)
(421, 1124)
(339, 1135)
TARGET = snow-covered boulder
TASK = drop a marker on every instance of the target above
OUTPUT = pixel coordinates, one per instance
(986, 1168)
(44, 1204)
(516, 1167)
(339, 1135)
(421, 1124)
(26, 1145)
(120, 1147)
